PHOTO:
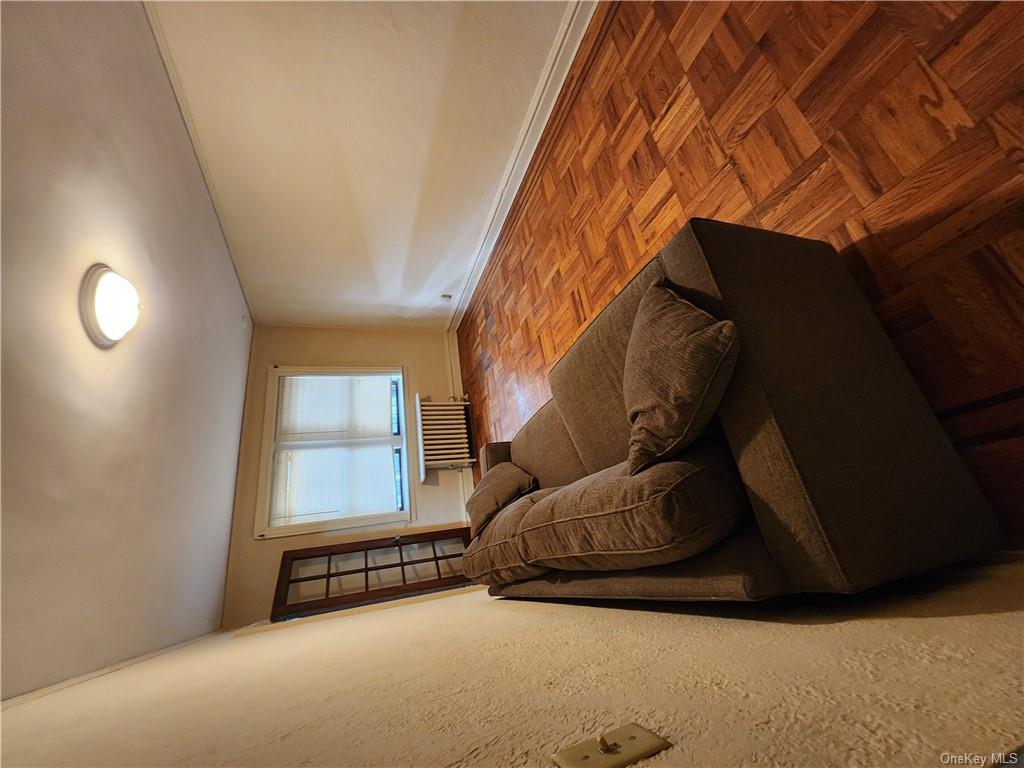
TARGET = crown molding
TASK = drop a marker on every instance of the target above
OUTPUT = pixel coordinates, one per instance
(570, 34)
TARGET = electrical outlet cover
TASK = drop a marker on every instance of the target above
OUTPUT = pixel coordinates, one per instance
(624, 746)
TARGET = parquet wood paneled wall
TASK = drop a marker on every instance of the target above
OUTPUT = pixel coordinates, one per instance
(894, 131)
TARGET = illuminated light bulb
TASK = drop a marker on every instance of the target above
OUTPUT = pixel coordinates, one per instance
(109, 305)
(117, 305)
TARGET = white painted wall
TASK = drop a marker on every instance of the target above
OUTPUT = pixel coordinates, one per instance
(430, 363)
(118, 465)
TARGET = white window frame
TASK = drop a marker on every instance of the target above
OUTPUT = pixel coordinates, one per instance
(262, 528)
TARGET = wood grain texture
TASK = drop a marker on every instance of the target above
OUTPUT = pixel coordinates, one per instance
(895, 131)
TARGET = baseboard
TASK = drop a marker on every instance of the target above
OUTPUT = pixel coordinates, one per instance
(39, 693)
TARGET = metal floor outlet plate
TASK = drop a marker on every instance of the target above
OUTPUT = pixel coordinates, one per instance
(615, 749)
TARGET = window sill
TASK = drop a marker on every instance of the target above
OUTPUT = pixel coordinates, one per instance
(339, 524)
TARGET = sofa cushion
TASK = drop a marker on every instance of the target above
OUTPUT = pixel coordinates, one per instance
(678, 364)
(493, 557)
(500, 485)
(544, 449)
(738, 568)
(612, 520)
(586, 383)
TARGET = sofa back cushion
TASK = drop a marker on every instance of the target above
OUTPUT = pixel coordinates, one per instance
(586, 383)
(544, 449)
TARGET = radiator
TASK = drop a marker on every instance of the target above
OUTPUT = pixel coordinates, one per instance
(443, 434)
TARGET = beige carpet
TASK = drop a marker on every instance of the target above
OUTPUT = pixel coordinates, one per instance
(896, 677)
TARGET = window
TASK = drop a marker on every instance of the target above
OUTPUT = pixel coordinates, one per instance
(334, 451)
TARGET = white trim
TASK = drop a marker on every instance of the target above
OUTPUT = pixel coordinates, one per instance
(260, 627)
(570, 34)
(466, 480)
(164, 49)
(262, 529)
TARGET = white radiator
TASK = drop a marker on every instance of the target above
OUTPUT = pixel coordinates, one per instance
(443, 434)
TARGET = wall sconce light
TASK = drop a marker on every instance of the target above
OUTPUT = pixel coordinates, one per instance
(109, 305)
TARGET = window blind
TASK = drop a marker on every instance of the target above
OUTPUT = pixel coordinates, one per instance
(336, 449)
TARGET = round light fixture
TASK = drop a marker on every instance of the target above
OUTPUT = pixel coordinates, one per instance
(109, 305)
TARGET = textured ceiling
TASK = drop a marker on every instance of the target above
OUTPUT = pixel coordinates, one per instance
(355, 150)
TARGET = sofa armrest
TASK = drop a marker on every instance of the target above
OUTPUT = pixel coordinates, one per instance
(494, 454)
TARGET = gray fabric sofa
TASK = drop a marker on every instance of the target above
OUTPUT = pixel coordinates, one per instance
(850, 479)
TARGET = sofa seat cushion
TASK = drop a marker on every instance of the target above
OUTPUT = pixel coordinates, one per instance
(500, 485)
(494, 557)
(678, 363)
(738, 568)
(613, 520)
